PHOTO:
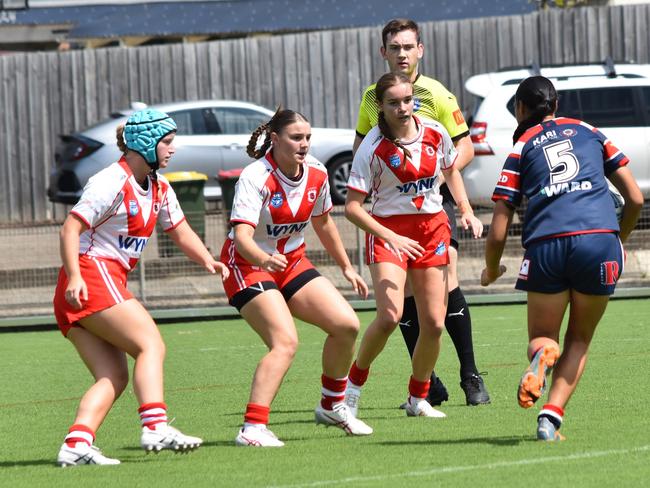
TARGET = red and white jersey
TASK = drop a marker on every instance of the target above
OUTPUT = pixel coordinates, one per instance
(398, 187)
(121, 215)
(280, 208)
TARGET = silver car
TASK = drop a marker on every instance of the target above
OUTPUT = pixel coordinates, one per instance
(212, 136)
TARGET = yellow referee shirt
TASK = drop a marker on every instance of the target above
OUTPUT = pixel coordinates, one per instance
(431, 100)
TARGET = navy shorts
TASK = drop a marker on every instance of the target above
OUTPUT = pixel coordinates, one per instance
(588, 263)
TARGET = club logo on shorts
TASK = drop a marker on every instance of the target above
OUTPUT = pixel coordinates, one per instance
(441, 248)
(569, 132)
(609, 273)
(311, 195)
(277, 200)
(394, 160)
(133, 208)
(524, 268)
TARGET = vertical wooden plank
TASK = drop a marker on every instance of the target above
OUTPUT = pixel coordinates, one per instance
(34, 156)
(6, 164)
(165, 69)
(189, 72)
(21, 134)
(178, 72)
(118, 78)
(90, 115)
(316, 88)
(265, 68)
(133, 74)
(329, 77)
(531, 38)
(214, 69)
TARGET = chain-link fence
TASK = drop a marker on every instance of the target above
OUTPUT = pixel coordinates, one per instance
(164, 278)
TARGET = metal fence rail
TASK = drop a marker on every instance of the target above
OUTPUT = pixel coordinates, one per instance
(321, 74)
(29, 266)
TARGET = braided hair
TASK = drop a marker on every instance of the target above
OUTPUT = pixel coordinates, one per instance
(538, 95)
(384, 83)
(281, 119)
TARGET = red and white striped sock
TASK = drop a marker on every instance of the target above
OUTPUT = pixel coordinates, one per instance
(418, 389)
(153, 415)
(554, 413)
(79, 433)
(256, 415)
(358, 376)
(333, 391)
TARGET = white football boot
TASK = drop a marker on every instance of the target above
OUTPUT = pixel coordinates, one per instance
(419, 407)
(82, 453)
(257, 435)
(341, 416)
(167, 437)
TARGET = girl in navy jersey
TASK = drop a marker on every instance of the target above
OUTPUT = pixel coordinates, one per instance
(101, 241)
(572, 238)
(398, 164)
(271, 278)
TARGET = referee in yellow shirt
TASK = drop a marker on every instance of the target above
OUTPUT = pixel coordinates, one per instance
(402, 49)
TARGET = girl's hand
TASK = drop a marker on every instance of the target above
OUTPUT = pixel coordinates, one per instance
(358, 284)
(468, 219)
(490, 275)
(275, 262)
(403, 245)
(76, 291)
(217, 267)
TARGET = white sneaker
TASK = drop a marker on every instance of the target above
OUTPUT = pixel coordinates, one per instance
(167, 437)
(419, 407)
(82, 453)
(352, 396)
(341, 416)
(257, 436)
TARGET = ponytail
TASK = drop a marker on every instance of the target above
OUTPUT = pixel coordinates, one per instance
(252, 143)
(385, 130)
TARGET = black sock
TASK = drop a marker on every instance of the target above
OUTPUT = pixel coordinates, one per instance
(458, 323)
(554, 420)
(410, 327)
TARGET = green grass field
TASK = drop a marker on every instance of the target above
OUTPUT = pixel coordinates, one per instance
(208, 372)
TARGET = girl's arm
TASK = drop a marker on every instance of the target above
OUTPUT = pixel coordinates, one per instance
(190, 243)
(496, 241)
(625, 183)
(251, 252)
(356, 214)
(456, 186)
(76, 290)
(326, 230)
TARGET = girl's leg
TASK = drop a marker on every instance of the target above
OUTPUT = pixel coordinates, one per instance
(545, 314)
(129, 327)
(270, 317)
(321, 304)
(388, 283)
(430, 291)
(584, 314)
(108, 366)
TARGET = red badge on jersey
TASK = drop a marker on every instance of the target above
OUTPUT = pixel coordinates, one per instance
(458, 117)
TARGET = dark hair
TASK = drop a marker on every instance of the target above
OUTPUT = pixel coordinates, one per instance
(538, 95)
(279, 121)
(399, 25)
(384, 83)
(119, 135)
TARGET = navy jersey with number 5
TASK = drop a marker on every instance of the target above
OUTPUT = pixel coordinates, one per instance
(560, 166)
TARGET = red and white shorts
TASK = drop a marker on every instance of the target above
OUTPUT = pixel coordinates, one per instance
(106, 283)
(431, 231)
(243, 275)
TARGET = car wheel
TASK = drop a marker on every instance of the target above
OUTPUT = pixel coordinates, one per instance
(339, 170)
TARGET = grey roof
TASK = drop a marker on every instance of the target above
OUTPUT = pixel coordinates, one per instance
(248, 16)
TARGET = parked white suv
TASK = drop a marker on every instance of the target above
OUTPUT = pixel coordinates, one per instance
(615, 98)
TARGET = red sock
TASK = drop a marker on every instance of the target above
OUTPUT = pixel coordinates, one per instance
(257, 414)
(333, 391)
(418, 389)
(357, 375)
(153, 414)
(79, 433)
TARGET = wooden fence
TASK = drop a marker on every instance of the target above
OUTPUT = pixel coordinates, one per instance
(322, 74)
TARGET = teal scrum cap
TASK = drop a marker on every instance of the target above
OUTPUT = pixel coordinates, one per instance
(144, 130)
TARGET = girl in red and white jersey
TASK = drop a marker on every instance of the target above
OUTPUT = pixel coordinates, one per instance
(272, 280)
(398, 164)
(101, 241)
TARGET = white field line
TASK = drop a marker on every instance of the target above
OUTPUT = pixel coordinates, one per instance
(472, 467)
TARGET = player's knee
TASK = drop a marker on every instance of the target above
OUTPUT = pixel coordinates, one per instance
(286, 348)
(387, 321)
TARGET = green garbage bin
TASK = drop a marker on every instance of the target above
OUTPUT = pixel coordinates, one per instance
(188, 186)
(227, 180)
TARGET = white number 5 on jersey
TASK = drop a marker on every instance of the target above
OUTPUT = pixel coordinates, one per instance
(561, 161)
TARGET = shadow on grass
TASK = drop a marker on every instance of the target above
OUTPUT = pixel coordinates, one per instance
(28, 462)
(496, 441)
